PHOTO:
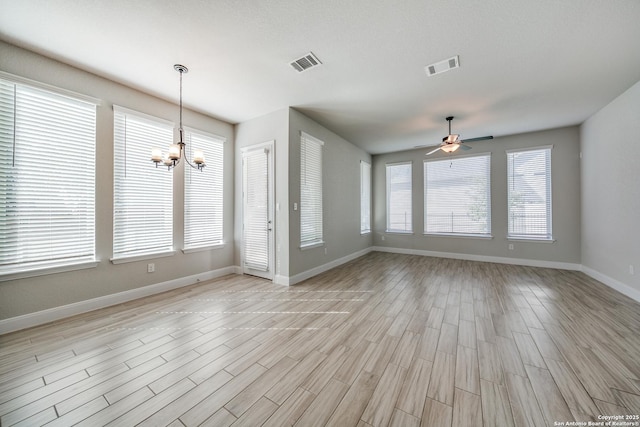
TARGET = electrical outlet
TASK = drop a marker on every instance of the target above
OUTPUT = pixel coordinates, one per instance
(382, 238)
(325, 251)
(510, 246)
(631, 270)
(151, 267)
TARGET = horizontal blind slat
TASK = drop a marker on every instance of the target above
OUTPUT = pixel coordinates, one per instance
(457, 195)
(143, 194)
(311, 226)
(47, 177)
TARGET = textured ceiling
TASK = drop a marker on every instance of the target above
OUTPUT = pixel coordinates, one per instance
(525, 65)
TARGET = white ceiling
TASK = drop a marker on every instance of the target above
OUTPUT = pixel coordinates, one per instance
(525, 65)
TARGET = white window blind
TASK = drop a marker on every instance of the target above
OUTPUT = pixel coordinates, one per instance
(457, 196)
(310, 190)
(143, 194)
(256, 209)
(399, 213)
(529, 193)
(365, 197)
(203, 192)
(47, 179)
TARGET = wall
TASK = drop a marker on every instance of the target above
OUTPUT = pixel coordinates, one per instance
(30, 295)
(341, 199)
(270, 127)
(565, 170)
(610, 144)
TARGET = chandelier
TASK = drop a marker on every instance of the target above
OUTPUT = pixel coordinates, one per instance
(177, 150)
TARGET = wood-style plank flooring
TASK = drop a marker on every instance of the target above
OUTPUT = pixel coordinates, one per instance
(386, 339)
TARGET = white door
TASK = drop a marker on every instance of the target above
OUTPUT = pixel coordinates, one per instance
(257, 210)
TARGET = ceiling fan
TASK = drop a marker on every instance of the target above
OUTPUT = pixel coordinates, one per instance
(451, 142)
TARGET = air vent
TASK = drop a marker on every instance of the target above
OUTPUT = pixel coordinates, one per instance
(442, 66)
(306, 62)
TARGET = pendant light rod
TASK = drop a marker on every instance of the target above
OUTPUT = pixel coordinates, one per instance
(177, 151)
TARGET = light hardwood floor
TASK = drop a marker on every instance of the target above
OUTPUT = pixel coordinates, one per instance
(383, 340)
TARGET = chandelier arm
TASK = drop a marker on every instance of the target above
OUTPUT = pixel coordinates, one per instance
(189, 163)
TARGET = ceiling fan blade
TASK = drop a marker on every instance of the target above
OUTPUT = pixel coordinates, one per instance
(481, 138)
(465, 147)
(433, 151)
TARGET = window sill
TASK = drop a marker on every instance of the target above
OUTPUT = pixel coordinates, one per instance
(47, 269)
(202, 248)
(135, 258)
(312, 246)
(398, 232)
(530, 239)
(461, 235)
(363, 233)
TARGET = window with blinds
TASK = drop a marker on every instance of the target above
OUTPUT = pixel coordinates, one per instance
(399, 214)
(143, 194)
(457, 196)
(365, 197)
(529, 193)
(310, 190)
(203, 192)
(47, 179)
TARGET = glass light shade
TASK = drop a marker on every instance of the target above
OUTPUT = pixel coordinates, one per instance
(174, 151)
(156, 155)
(198, 157)
(167, 161)
(450, 148)
(452, 137)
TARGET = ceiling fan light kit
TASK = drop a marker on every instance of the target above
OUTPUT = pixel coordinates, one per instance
(451, 142)
(450, 148)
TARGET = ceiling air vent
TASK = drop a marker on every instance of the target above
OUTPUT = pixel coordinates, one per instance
(442, 66)
(306, 62)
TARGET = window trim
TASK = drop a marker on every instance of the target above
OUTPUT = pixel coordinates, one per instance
(318, 241)
(42, 267)
(151, 253)
(533, 238)
(363, 166)
(486, 236)
(386, 169)
(51, 88)
(222, 141)
(49, 269)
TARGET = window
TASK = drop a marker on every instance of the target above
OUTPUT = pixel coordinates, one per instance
(399, 198)
(365, 197)
(529, 193)
(203, 192)
(143, 194)
(47, 179)
(310, 191)
(457, 196)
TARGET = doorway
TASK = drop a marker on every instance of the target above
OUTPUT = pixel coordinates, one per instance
(257, 210)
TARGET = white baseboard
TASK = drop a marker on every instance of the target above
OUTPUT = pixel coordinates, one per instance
(45, 316)
(279, 279)
(483, 258)
(623, 288)
(57, 313)
(292, 280)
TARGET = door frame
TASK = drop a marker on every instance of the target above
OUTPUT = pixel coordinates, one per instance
(270, 146)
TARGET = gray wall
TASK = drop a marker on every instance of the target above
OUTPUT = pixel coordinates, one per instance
(29, 295)
(341, 196)
(271, 127)
(610, 144)
(565, 170)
